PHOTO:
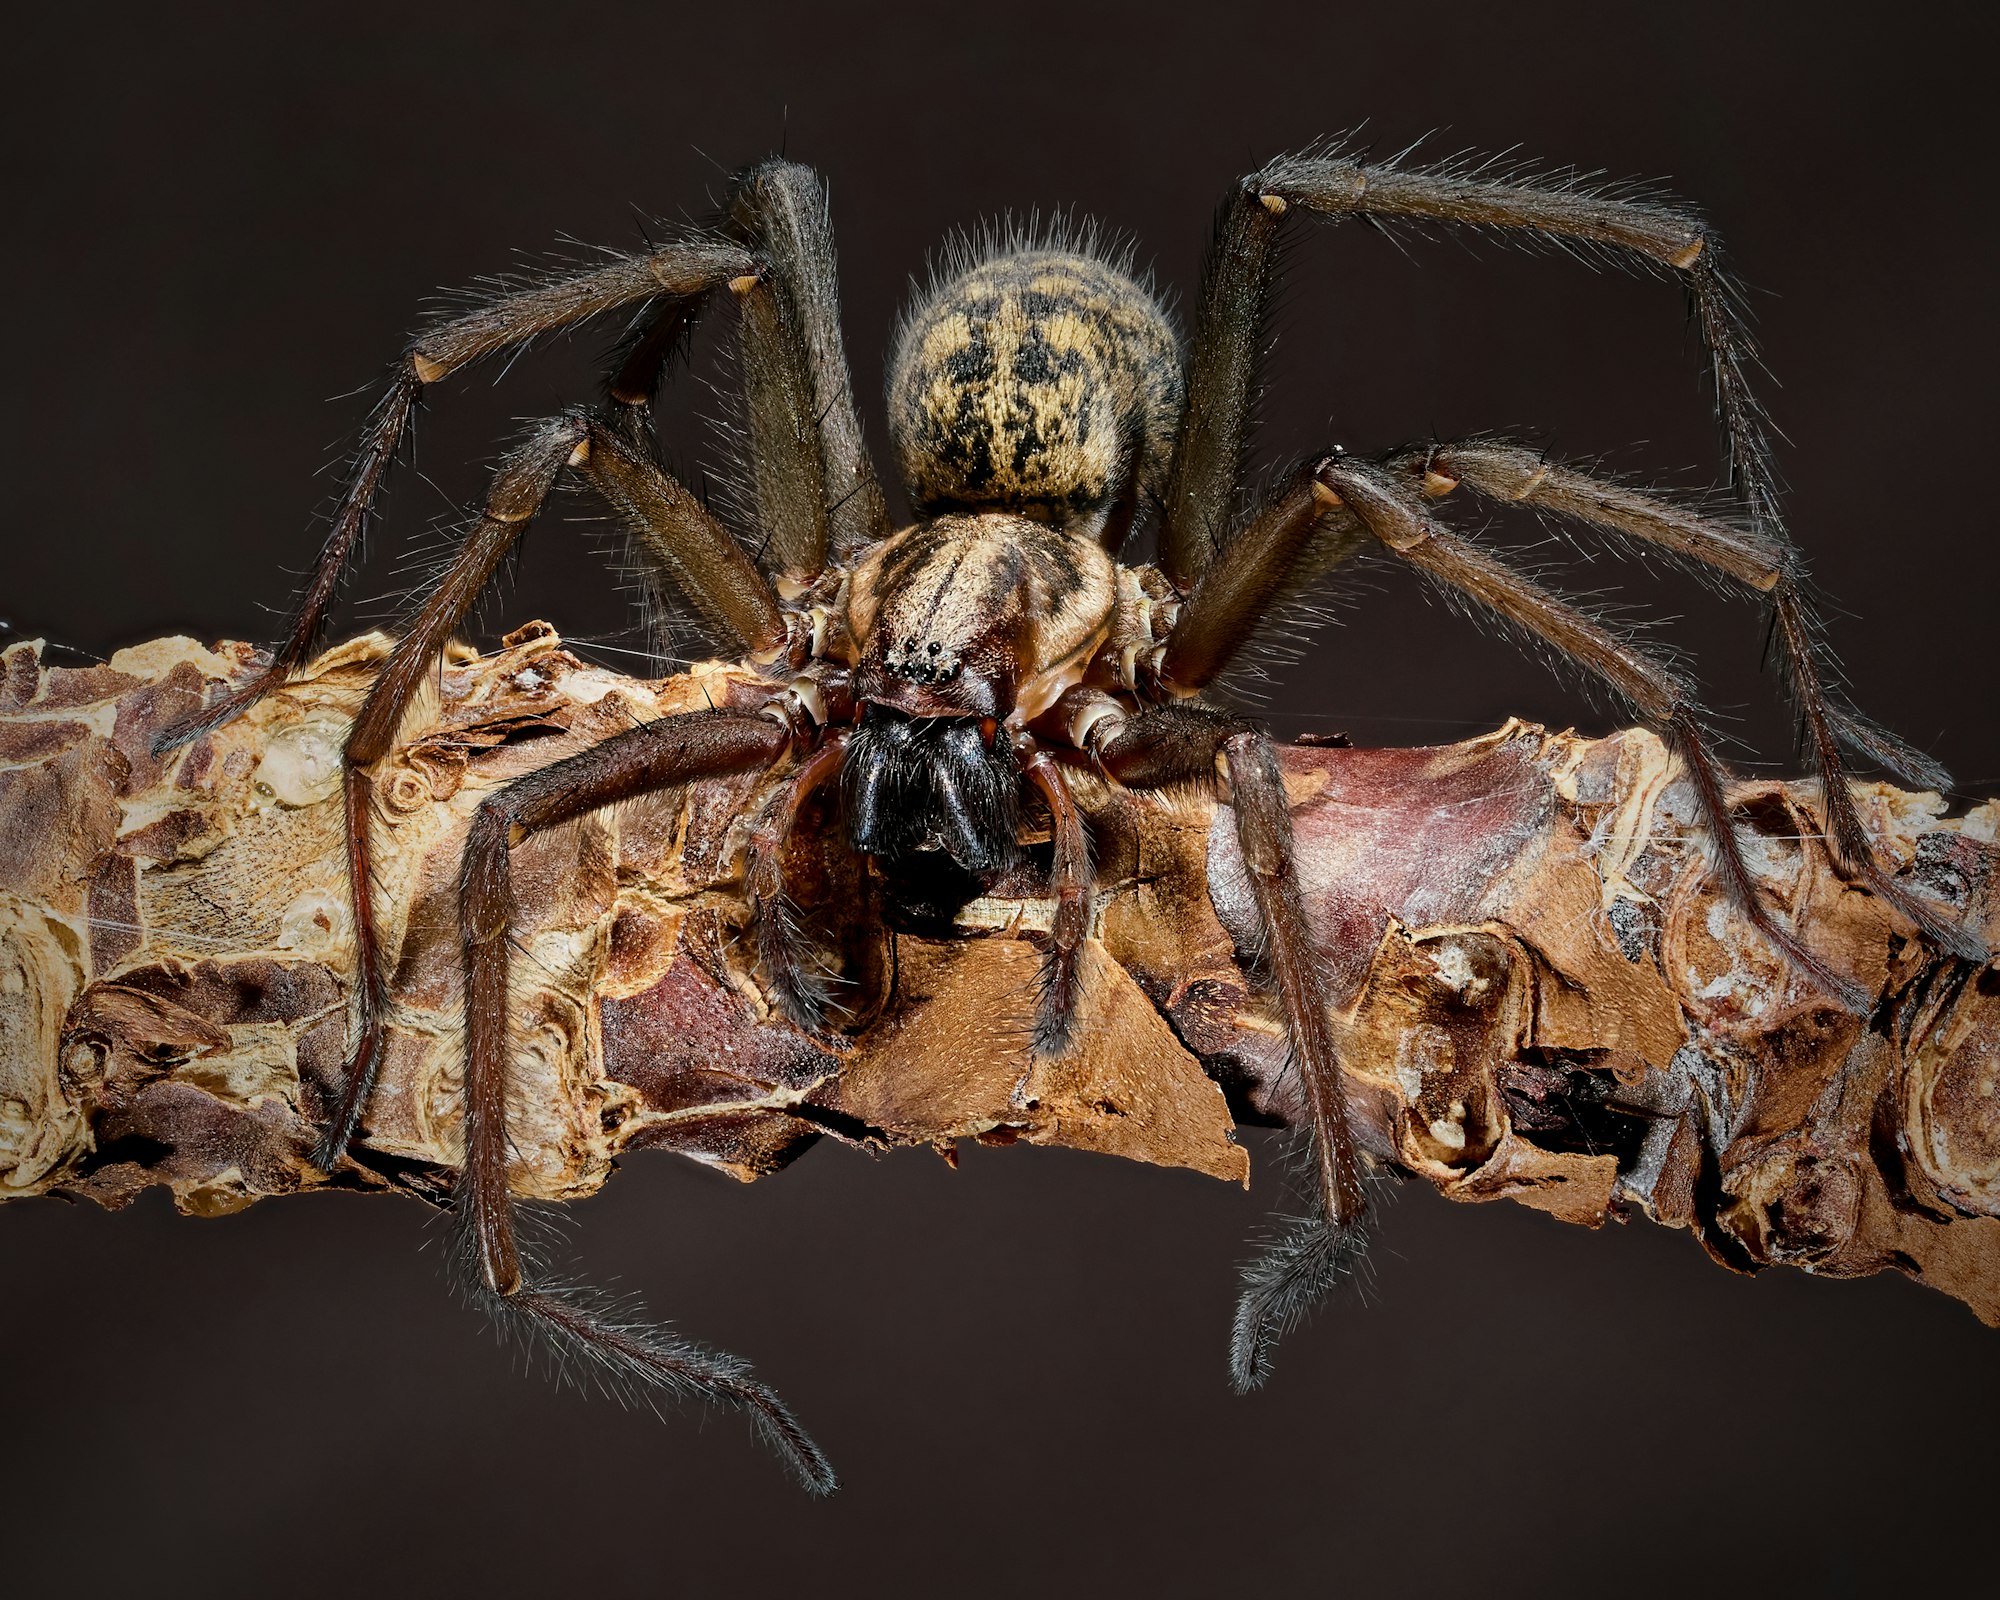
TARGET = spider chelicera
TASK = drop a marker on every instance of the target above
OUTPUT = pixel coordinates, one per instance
(1040, 404)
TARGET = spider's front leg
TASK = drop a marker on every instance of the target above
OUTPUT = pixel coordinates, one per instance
(625, 1357)
(1190, 744)
(674, 530)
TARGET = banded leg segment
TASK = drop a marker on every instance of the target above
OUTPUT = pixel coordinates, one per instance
(699, 553)
(1301, 531)
(657, 756)
(1506, 472)
(1182, 744)
(1501, 471)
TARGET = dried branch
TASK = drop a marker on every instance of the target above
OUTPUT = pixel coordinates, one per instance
(1541, 996)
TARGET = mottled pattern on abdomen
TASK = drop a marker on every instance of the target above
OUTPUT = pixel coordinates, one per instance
(1037, 382)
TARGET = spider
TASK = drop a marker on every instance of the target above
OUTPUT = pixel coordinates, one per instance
(950, 673)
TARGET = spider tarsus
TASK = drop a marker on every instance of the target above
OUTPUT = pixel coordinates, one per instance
(798, 992)
(1283, 1285)
(185, 730)
(1879, 747)
(1954, 934)
(1057, 989)
(357, 1080)
(638, 1363)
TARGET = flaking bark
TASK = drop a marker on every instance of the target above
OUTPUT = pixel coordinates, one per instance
(1538, 992)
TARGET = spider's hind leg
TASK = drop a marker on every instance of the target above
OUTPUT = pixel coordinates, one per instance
(1393, 512)
(1497, 470)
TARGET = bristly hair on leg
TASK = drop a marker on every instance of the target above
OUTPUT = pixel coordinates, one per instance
(803, 980)
(1283, 1284)
(600, 1341)
(1295, 1270)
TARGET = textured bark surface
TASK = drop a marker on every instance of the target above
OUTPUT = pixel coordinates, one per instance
(1539, 994)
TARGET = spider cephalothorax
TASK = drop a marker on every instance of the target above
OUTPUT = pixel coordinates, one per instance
(1032, 397)
(954, 674)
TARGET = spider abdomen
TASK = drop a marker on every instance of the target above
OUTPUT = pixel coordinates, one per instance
(1043, 382)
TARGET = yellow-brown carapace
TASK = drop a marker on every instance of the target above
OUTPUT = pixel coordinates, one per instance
(1042, 381)
(988, 615)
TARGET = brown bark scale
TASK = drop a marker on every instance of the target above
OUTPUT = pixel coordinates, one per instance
(1537, 991)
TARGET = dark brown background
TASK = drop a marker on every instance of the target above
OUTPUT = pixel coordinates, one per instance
(219, 220)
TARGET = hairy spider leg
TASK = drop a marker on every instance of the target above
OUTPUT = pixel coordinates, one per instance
(1295, 534)
(627, 1359)
(520, 484)
(678, 272)
(681, 538)
(778, 205)
(779, 209)
(1177, 744)
(1386, 505)
(675, 531)
(1557, 207)
(1498, 470)
(790, 964)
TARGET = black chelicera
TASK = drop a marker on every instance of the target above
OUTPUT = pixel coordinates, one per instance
(950, 674)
